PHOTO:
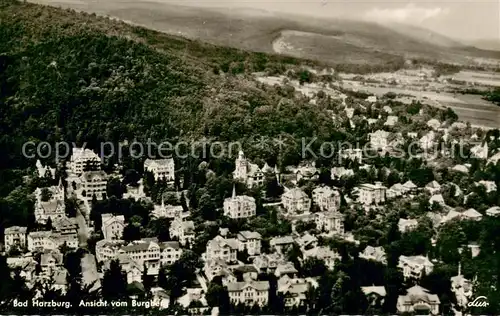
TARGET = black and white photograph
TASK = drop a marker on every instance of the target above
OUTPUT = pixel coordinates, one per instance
(250, 157)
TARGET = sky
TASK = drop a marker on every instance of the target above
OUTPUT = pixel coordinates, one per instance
(460, 19)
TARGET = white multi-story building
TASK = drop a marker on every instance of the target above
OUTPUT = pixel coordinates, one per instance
(15, 236)
(267, 263)
(171, 251)
(167, 211)
(241, 206)
(247, 172)
(329, 256)
(182, 230)
(144, 253)
(43, 171)
(52, 208)
(93, 183)
(50, 262)
(294, 290)
(106, 250)
(326, 198)
(296, 201)
(281, 243)
(379, 140)
(51, 240)
(162, 169)
(374, 253)
(223, 249)
(249, 293)
(331, 222)
(415, 266)
(112, 226)
(371, 193)
(249, 241)
(418, 300)
(83, 158)
(406, 225)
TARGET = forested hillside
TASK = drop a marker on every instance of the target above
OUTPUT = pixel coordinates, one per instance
(75, 77)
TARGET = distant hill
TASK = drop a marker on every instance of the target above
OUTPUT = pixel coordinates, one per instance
(488, 44)
(328, 40)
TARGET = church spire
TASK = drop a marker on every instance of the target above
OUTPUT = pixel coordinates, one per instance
(459, 268)
(234, 191)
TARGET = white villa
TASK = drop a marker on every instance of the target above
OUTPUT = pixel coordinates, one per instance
(326, 198)
(296, 201)
(223, 249)
(183, 230)
(379, 140)
(331, 222)
(15, 236)
(82, 158)
(249, 241)
(241, 206)
(369, 194)
(93, 183)
(374, 253)
(415, 266)
(162, 169)
(249, 293)
(112, 226)
(418, 300)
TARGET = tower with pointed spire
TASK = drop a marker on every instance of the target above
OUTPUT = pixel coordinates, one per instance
(247, 172)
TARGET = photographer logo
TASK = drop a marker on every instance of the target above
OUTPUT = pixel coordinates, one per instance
(480, 301)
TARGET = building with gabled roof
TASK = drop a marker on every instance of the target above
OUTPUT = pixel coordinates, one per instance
(249, 293)
(14, 236)
(328, 255)
(162, 169)
(240, 206)
(249, 241)
(296, 201)
(326, 198)
(112, 226)
(418, 300)
(83, 159)
(330, 222)
(374, 253)
(415, 266)
(222, 248)
(247, 172)
(182, 230)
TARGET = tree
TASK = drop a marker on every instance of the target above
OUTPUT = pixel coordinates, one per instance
(131, 232)
(217, 296)
(313, 267)
(114, 282)
(115, 188)
(147, 281)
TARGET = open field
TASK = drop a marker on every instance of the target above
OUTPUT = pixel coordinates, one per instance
(469, 108)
